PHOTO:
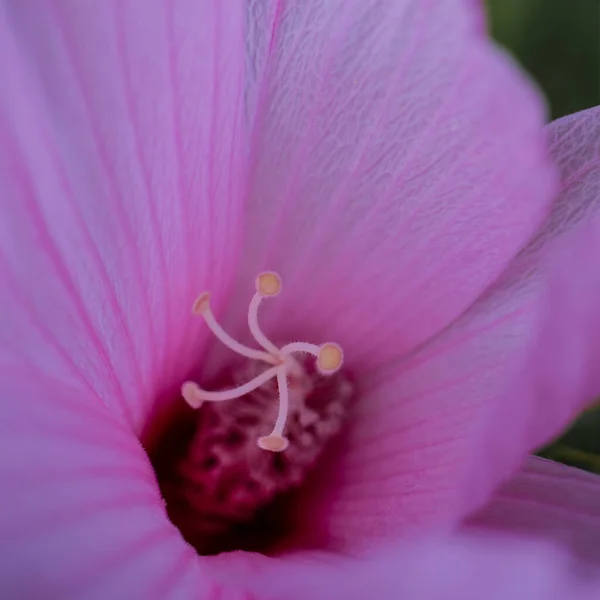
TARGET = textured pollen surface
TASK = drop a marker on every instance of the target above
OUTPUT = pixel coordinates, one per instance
(223, 477)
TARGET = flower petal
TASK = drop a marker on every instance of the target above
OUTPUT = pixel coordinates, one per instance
(435, 434)
(397, 167)
(469, 568)
(120, 169)
(81, 513)
(548, 500)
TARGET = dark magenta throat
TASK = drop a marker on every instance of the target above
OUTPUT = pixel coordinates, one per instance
(222, 491)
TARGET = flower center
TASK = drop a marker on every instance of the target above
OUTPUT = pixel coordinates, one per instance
(224, 481)
(329, 360)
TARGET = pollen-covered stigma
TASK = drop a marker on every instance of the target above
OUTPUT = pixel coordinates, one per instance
(329, 358)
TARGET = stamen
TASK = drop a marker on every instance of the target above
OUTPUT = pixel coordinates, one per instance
(329, 360)
(195, 395)
(202, 307)
(275, 442)
(255, 330)
(329, 356)
(268, 284)
(304, 347)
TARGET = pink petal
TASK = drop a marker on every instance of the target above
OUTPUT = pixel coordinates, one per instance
(81, 515)
(397, 167)
(465, 568)
(434, 435)
(120, 169)
(550, 501)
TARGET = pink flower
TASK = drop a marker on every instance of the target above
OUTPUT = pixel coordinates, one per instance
(390, 165)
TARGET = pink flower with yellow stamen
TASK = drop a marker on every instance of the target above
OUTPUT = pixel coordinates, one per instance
(392, 167)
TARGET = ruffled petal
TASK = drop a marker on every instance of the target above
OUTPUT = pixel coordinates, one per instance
(397, 166)
(434, 435)
(548, 500)
(81, 515)
(121, 170)
(469, 568)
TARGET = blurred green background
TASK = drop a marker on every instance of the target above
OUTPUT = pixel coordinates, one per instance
(558, 43)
